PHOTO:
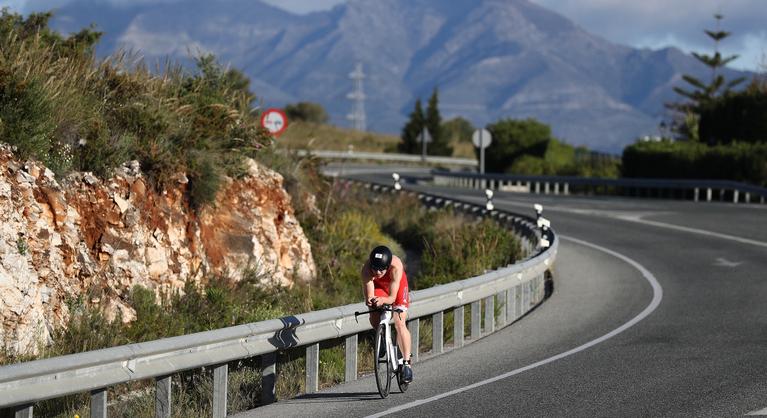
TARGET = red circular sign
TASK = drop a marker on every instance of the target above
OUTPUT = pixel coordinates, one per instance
(275, 121)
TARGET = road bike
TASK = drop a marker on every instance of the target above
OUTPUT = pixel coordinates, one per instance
(387, 357)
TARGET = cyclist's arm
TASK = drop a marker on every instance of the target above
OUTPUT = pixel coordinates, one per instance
(368, 288)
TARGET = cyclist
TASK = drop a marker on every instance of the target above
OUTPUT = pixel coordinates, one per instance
(385, 283)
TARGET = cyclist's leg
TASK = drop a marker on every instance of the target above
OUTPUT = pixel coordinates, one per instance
(375, 318)
(403, 334)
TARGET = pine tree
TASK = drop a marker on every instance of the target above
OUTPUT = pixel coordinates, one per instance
(412, 129)
(433, 122)
(702, 94)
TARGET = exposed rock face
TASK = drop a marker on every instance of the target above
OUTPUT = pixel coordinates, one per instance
(96, 240)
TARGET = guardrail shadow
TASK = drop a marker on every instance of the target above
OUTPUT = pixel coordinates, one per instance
(336, 397)
(286, 337)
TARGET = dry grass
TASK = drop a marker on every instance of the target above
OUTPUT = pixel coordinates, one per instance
(305, 135)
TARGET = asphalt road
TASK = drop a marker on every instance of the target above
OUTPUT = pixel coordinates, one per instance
(659, 309)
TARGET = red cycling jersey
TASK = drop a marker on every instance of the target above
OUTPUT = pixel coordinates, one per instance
(383, 285)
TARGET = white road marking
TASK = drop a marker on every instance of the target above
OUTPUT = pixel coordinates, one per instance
(759, 412)
(638, 219)
(723, 262)
(694, 231)
(656, 299)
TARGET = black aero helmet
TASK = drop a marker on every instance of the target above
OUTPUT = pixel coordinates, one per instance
(380, 258)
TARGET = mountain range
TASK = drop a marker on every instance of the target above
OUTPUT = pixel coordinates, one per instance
(489, 59)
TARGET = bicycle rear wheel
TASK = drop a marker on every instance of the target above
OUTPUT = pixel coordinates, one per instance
(382, 363)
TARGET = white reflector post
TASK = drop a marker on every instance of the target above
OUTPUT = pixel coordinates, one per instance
(397, 186)
(489, 204)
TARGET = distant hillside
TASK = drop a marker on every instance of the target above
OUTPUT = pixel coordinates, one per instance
(489, 59)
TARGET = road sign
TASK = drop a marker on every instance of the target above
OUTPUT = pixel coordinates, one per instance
(275, 121)
(424, 138)
(425, 134)
(481, 138)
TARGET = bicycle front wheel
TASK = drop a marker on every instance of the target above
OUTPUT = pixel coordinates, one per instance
(382, 362)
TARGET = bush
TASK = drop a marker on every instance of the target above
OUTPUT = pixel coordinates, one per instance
(455, 247)
(738, 116)
(307, 112)
(693, 160)
(512, 139)
(26, 119)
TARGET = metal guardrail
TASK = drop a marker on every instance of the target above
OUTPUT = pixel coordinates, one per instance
(374, 156)
(519, 287)
(696, 190)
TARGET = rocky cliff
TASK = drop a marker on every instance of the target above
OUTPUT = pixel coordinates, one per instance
(96, 239)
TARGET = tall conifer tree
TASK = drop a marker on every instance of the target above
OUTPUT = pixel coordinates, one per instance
(702, 94)
(413, 128)
(439, 144)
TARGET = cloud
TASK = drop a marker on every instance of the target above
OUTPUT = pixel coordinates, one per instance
(680, 23)
(304, 6)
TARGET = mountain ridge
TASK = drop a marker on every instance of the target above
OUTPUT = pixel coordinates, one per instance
(488, 58)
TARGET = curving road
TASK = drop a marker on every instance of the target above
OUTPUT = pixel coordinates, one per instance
(659, 309)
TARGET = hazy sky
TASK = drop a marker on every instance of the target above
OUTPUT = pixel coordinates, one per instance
(639, 23)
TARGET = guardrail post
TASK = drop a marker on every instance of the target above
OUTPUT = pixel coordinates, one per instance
(437, 333)
(162, 397)
(502, 302)
(537, 187)
(415, 337)
(519, 296)
(268, 378)
(351, 358)
(511, 299)
(528, 294)
(546, 188)
(458, 327)
(476, 320)
(23, 411)
(556, 188)
(490, 314)
(697, 194)
(708, 194)
(748, 197)
(312, 368)
(567, 189)
(99, 403)
(735, 196)
(220, 388)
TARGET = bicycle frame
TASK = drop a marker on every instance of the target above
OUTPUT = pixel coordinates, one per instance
(386, 319)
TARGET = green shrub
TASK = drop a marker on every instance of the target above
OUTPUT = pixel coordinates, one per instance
(693, 160)
(458, 248)
(26, 115)
(307, 112)
(740, 116)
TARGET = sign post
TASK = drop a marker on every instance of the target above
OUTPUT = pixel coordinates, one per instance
(275, 121)
(424, 138)
(481, 139)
